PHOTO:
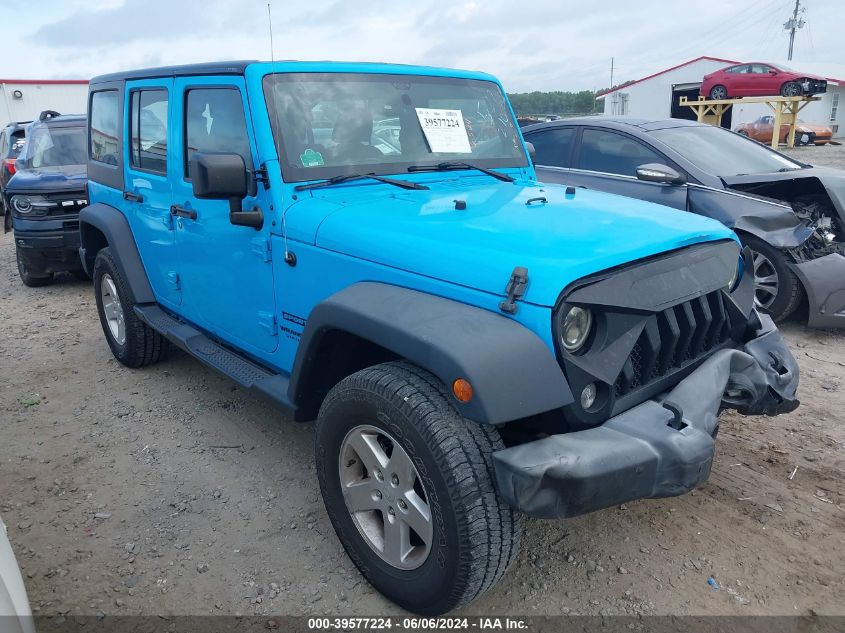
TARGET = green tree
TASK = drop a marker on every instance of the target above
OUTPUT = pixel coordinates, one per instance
(556, 102)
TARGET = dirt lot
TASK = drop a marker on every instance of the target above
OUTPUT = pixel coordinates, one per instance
(169, 491)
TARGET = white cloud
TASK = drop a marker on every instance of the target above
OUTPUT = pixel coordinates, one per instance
(537, 44)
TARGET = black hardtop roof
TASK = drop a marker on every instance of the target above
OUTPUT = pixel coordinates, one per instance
(207, 68)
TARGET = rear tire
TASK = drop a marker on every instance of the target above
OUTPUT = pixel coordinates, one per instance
(718, 92)
(133, 342)
(778, 292)
(471, 536)
(791, 89)
(33, 280)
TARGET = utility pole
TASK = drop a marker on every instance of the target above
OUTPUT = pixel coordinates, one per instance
(793, 24)
(611, 72)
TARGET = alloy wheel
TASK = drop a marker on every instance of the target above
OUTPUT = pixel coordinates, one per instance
(385, 497)
(113, 309)
(765, 281)
(719, 92)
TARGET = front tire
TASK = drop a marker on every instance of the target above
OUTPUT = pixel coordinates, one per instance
(28, 277)
(777, 290)
(718, 92)
(791, 89)
(408, 485)
(133, 342)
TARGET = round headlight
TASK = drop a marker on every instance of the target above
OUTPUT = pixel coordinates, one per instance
(575, 328)
(22, 204)
(737, 275)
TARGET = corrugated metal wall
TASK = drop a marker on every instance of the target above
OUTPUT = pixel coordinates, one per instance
(66, 98)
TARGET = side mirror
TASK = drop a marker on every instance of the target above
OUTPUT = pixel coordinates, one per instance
(532, 153)
(224, 177)
(655, 172)
(218, 176)
(773, 72)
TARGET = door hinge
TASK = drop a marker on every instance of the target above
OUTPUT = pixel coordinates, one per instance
(260, 175)
(261, 247)
(173, 280)
(515, 289)
(267, 321)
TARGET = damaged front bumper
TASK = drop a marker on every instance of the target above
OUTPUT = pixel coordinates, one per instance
(661, 448)
(824, 281)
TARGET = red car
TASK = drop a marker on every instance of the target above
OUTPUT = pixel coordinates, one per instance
(759, 80)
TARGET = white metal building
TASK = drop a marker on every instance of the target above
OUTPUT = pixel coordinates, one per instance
(25, 99)
(657, 95)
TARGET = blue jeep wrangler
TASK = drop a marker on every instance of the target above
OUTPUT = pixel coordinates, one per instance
(45, 196)
(367, 245)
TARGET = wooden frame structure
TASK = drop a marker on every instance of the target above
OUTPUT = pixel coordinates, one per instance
(785, 110)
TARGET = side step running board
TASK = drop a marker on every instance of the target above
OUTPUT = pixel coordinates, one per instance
(240, 369)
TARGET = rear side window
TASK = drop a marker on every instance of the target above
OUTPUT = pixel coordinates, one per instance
(613, 153)
(148, 130)
(553, 147)
(18, 140)
(104, 126)
(215, 122)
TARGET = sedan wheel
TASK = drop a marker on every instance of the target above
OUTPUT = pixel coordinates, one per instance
(791, 89)
(765, 281)
(718, 92)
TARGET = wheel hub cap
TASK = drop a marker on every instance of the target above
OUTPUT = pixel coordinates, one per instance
(385, 497)
(112, 309)
(765, 281)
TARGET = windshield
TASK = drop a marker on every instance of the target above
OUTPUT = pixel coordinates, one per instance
(55, 147)
(329, 124)
(722, 153)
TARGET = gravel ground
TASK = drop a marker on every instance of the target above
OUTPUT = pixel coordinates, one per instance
(168, 490)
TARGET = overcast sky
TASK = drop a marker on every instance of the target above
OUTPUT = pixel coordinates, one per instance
(529, 45)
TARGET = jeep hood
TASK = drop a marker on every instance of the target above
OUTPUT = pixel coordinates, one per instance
(559, 238)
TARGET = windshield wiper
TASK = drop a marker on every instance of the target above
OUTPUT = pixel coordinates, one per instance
(336, 180)
(460, 165)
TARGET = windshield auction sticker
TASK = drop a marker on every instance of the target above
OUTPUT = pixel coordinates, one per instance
(444, 130)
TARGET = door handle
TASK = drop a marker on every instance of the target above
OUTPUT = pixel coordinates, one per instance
(182, 212)
(132, 197)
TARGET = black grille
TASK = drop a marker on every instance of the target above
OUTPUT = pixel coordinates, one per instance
(67, 202)
(674, 338)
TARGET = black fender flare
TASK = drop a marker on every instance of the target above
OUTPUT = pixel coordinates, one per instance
(512, 372)
(101, 219)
